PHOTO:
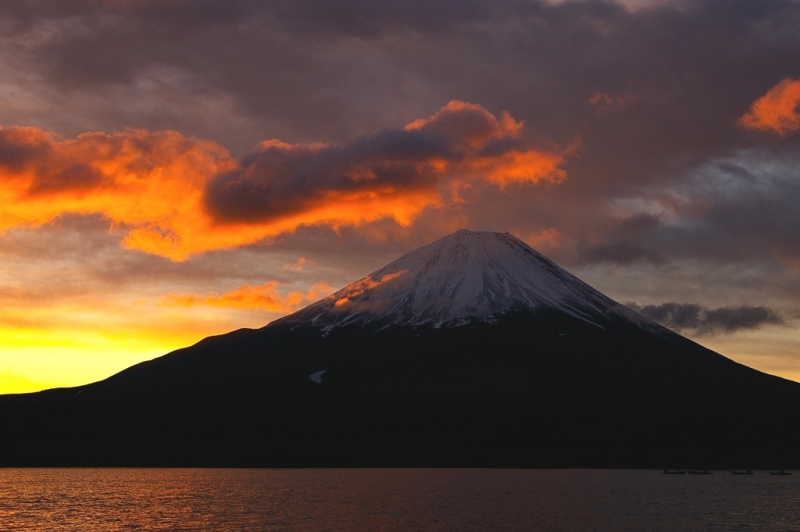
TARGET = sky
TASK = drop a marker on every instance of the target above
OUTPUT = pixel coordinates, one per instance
(174, 169)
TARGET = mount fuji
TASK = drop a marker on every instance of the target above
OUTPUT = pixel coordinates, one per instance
(474, 350)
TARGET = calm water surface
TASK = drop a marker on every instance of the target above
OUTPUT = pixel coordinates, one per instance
(393, 499)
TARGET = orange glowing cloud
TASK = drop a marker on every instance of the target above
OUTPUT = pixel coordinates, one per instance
(144, 183)
(265, 297)
(491, 148)
(522, 167)
(545, 237)
(777, 111)
(175, 196)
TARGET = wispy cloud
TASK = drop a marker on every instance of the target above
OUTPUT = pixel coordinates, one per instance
(265, 297)
(297, 266)
(703, 320)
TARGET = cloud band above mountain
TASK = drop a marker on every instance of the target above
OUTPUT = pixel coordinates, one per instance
(176, 196)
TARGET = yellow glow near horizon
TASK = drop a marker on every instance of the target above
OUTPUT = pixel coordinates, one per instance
(36, 359)
(71, 345)
(772, 350)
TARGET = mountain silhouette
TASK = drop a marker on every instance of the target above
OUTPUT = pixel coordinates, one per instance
(474, 350)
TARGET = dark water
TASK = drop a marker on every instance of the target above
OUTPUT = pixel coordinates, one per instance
(393, 499)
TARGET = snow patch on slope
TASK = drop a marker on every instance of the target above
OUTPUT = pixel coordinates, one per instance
(316, 377)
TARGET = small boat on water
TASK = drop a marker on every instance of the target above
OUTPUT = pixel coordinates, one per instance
(703, 472)
(781, 472)
(748, 472)
(676, 472)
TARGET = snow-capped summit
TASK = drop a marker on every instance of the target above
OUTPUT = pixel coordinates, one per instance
(462, 277)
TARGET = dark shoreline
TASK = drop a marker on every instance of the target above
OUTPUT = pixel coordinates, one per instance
(91, 438)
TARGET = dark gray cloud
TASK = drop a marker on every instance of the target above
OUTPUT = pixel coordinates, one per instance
(459, 141)
(277, 180)
(738, 209)
(703, 320)
(620, 253)
(322, 69)
(625, 241)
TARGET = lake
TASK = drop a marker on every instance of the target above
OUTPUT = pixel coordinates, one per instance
(393, 499)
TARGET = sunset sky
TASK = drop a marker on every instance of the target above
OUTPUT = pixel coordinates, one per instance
(173, 169)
